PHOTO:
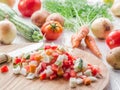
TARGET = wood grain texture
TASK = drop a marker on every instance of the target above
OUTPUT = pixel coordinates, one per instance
(9, 81)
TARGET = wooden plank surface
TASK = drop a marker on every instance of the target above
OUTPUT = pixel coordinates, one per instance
(9, 81)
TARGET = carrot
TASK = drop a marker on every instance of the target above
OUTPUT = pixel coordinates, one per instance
(76, 38)
(86, 81)
(91, 44)
(75, 41)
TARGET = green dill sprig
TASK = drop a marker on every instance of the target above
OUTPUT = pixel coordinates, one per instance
(77, 12)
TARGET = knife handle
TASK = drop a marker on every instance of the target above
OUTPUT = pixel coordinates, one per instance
(5, 58)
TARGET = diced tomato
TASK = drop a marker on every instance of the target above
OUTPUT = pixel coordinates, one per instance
(55, 54)
(66, 63)
(43, 76)
(53, 76)
(17, 60)
(83, 76)
(54, 47)
(71, 66)
(53, 60)
(73, 73)
(44, 65)
(70, 57)
(95, 70)
(47, 47)
(89, 66)
(4, 69)
(27, 68)
(32, 56)
(66, 75)
(55, 67)
(23, 60)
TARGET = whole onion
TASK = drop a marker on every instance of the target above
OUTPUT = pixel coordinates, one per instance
(101, 27)
(7, 32)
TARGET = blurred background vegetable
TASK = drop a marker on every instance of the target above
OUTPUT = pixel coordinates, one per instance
(56, 17)
(116, 9)
(7, 32)
(8, 2)
(28, 7)
(113, 57)
(39, 17)
(101, 27)
(108, 2)
(113, 39)
(77, 12)
(52, 30)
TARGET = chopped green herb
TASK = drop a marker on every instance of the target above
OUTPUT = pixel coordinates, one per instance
(80, 66)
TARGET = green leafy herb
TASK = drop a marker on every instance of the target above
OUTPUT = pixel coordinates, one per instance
(77, 12)
(27, 56)
(80, 66)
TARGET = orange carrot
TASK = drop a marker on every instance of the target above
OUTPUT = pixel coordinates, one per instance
(91, 44)
(86, 81)
(76, 38)
(75, 41)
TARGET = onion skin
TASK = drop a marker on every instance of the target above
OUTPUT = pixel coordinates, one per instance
(101, 27)
(8, 32)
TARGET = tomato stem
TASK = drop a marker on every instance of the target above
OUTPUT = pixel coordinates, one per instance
(53, 25)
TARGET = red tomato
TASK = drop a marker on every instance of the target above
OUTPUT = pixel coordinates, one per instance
(54, 47)
(28, 7)
(55, 67)
(32, 56)
(52, 30)
(53, 60)
(47, 47)
(53, 76)
(4, 68)
(95, 70)
(44, 65)
(17, 60)
(73, 73)
(70, 57)
(113, 39)
(43, 76)
(27, 68)
(66, 75)
(66, 63)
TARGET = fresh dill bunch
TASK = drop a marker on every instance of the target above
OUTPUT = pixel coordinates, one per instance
(77, 12)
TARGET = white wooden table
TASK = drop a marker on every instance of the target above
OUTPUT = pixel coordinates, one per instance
(114, 83)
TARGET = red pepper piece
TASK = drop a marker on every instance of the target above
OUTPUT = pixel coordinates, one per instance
(4, 69)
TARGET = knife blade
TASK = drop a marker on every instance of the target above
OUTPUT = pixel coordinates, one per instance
(8, 57)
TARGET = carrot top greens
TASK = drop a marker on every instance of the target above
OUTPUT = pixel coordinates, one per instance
(77, 12)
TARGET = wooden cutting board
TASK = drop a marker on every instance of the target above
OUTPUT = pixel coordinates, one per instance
(9, 81)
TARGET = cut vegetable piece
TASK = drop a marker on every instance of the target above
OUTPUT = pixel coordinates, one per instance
(4, 69)
(73, 82)
(30, 76)
(16, 69)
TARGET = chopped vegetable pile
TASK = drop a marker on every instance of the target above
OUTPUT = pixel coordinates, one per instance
(51, 62)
